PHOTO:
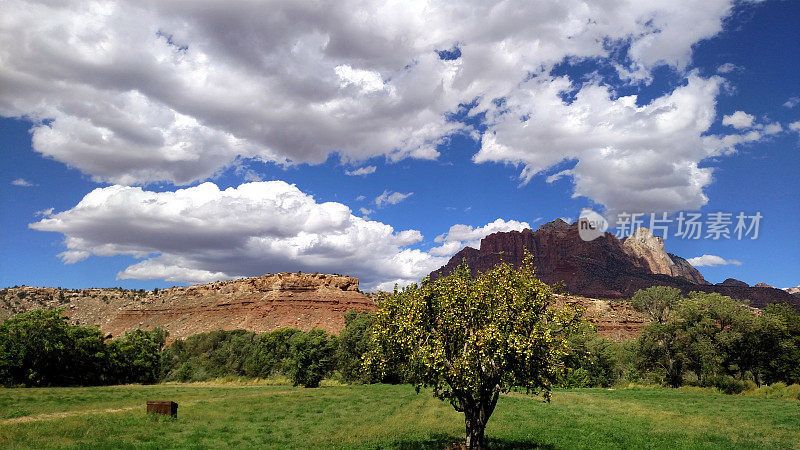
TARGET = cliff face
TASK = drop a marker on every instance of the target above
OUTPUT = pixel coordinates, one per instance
(258, 304)
(648, 252)
(602, 268)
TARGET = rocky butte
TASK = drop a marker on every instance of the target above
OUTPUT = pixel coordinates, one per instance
(257, 304)
(605, 267)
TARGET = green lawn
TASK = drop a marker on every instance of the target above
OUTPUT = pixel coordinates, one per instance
(383, 416)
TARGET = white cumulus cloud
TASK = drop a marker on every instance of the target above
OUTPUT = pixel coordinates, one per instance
(626, 156)
(133, 92)
(712, 260)
(739, 120)
(727, 68)
(460, 236)
(202, 233)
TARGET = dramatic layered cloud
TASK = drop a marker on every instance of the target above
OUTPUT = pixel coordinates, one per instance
(460, 236)
(203, 233)
(144, 91)
(712, 260)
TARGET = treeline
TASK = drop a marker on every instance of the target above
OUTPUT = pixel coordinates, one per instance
(40, 348)
(304, 357)
(705, 339)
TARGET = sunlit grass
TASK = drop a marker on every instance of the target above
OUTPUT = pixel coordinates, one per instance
(245, 415)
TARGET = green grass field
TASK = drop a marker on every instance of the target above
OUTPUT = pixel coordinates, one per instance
(384, 416)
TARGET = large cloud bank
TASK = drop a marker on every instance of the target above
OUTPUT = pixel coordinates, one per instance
(144, 91)
(202, 233)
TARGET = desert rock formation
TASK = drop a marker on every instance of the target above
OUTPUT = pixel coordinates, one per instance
(257, 304)
(602, 268)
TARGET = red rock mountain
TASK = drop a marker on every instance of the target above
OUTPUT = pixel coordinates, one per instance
(605, 267)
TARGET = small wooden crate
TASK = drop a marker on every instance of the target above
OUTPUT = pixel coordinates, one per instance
(163, 407)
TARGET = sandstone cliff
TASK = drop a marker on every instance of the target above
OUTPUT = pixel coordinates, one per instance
(258, 304)
(648, 252)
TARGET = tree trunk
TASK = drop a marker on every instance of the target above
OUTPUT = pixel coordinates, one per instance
(475, 427)
(476, 414)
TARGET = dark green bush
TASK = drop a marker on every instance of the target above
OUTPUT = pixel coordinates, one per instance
(725, 384)
(312, 357)
(354, 341)
(40, 348)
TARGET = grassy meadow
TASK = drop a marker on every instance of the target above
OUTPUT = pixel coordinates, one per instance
(245, 415)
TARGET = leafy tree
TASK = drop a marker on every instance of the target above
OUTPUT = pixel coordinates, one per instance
(354, 342)
(136, 356)
(657, 349)
(39, 348)
(313, 357)
(271, 353)
(781, 362)
(593, 361)
(473, 338)
(656, 301)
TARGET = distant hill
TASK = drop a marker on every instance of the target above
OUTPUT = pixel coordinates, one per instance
(605, 267)
(257, 304)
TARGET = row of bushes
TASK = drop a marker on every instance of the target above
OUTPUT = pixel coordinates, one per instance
(707, 340)
(305, 357)
(40, 348)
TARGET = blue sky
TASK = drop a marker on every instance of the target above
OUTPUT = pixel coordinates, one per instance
(530, 122)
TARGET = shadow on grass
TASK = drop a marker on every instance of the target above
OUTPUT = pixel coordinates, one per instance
(447, 442)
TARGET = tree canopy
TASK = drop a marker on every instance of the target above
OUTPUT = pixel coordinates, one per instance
(472, 338)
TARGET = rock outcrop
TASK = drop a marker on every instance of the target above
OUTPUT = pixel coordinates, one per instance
(601, 268)
(257, 304)
(762, 284)
(733, 282)
(648, 252)
(794, 291)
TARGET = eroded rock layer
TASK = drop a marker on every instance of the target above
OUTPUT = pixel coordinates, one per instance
(258, 304)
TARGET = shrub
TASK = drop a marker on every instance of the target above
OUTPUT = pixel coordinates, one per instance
(313, 357)
(725, 384)
(354, 342)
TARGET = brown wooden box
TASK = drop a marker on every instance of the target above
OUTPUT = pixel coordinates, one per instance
(163, 407)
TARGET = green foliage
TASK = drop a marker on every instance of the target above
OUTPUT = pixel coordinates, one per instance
(270, 354)
(472, 338)
(354, 342)
(210, 355)
(39, 348)
(305, 357)
(711, 340)
(656, 301)
(312, 357)
(136, 357)
(592, 360)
